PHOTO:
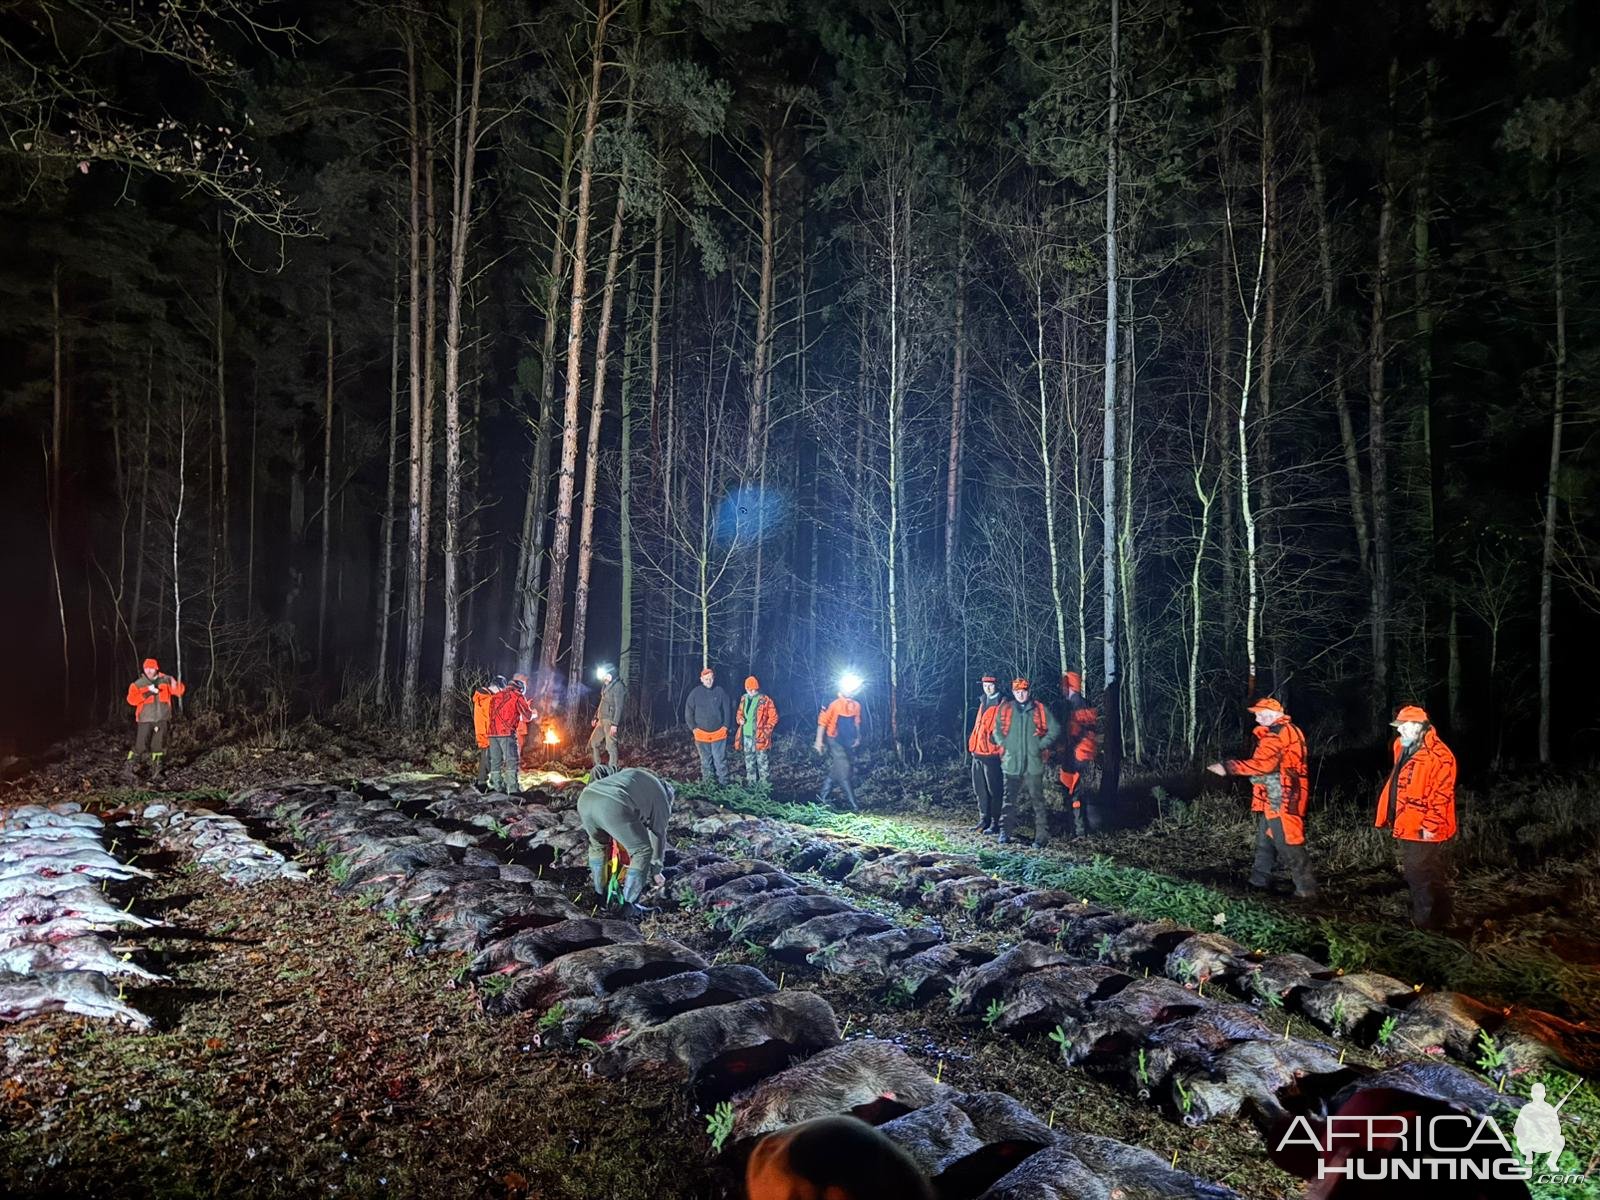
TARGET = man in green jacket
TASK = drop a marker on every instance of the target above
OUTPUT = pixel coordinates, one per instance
(1023, 728)
(607, 716)
(631, 807)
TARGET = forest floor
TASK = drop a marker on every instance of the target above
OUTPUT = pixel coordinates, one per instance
(299, 1049)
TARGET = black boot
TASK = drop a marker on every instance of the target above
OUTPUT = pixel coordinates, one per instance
(129, 770)
(155, 769)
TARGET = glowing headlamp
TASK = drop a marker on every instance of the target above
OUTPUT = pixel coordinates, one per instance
(850, 683)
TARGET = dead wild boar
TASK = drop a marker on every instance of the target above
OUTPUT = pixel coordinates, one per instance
(465, 919)
(420, 888)
(1354, 1005)
(1207, 957)
(867, 1075)
(967, 1141)
(83, 993)
(1139, 1174)
(1014, 909)
(974, 989)
(708, 878)
(736, 891)
(1258, 1075)
(1114, 1028)
(728, 1047)
(536, 947)
(1283, 975)
(1444, 1023)
(1441, 1082)
(1091, 935)
(1147, 944)
(762, 918)
(597, 971)
(1051, 1174)
(875, 955)
(797, 943)
(892, 875)
(933, 972)
(1191, 1042)
(395, 866)
(605, 1019)
(1051, 996)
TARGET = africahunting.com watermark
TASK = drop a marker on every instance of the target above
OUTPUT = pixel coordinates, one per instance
(1442, 1148)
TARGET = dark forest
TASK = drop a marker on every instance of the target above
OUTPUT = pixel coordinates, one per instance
(1220, 354)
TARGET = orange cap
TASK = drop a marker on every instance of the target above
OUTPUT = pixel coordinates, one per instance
(1019, 685)
(1071, 680)
(151, 664)
(752, 684)
(1267, 704)
(1411, 712)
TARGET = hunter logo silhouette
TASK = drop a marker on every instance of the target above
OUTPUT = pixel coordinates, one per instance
(1538, 1129)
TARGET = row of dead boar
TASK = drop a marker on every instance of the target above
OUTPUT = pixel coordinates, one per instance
(1123, 998)
(59, 923)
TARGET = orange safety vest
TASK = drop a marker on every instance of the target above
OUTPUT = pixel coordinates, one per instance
(480, 717)
(842, 708)
(1419, 795)
(1280, 785)
(766, 722)
(981, 740)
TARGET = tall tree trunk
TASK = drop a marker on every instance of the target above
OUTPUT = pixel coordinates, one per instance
(1126, 566)
(755, 462)
(561, 542)
(958, 381)
(1269, 348)
(250, 528)
(1441, 589)
(413, 622)
(755, 431)
(386, 570)
(1047, 466)
(1378, 437)
(1558, 406)
(591, 457)
(530, 557)
(222, 411)
(1111, 703)
(177, 525)
(58, 398)
(327, 472)
(1246, 505)
(627, 654)
(430, 327)
(897, 267)
(462, 164)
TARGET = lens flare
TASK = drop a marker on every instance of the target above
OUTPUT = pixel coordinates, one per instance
(850, 683)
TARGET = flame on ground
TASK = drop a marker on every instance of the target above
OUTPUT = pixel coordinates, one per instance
(551, 737)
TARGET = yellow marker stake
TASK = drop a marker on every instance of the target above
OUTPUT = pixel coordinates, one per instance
(1051, 1124)
(938, 1075)
(1174, 1158)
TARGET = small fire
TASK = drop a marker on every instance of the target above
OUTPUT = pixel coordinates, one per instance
(551, 737)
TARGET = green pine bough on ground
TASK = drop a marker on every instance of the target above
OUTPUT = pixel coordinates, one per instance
(1506, 973)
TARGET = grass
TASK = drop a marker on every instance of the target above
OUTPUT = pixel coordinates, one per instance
(1502, 972)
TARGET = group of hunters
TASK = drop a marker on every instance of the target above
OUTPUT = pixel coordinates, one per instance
(1013, 740)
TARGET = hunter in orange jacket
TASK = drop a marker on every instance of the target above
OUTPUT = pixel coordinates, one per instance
(1081, 744)
(1419, 801)
(752, 732)
(988, 784)
(839, 731)
(151, 696)
(481, 698)
(1280, 787)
